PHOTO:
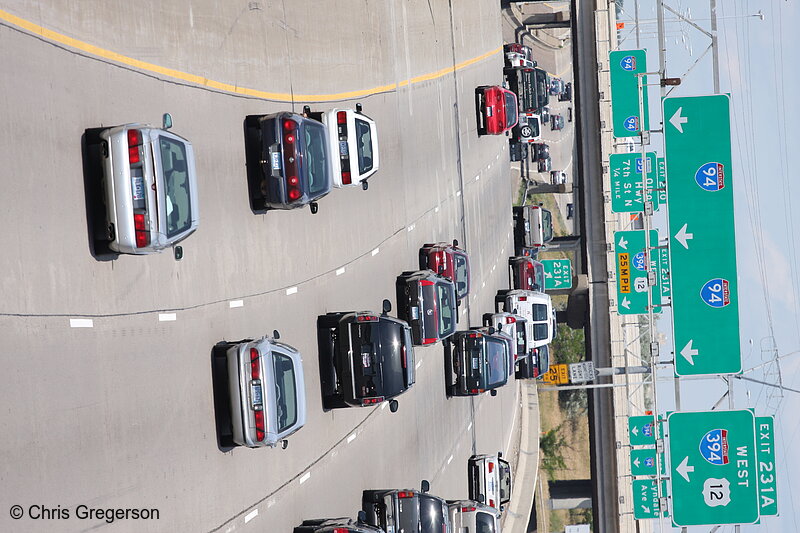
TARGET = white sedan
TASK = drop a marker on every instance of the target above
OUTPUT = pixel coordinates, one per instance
(354, 137)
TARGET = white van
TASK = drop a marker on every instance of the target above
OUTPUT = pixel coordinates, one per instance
(536, 307)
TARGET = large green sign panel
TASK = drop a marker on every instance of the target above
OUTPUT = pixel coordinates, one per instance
(624, 65)
(557, 273)
(697, 137)
(632, 260)
(713, 468)
(626, 182)
(765, 453)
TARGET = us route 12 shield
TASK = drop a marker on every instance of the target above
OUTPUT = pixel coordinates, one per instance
(713, 471)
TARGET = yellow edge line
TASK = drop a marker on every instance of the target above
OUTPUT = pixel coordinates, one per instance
(220, 86)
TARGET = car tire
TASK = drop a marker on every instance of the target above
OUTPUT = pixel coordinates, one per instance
(526, 131)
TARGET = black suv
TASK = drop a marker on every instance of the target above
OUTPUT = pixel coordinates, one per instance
(406, 510)
(535, 365)
(539, 151)
(476, 363)
(364, 358)
(427, 301)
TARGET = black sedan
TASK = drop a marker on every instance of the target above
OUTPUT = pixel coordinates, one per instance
(406, 510)
(365, 358)
(427, 301)
(337, 525)
(288, 161)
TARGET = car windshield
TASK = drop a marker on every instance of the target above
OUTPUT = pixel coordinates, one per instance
(539, 332)
(316, 161)
(534, 124)
(447, 312)
(285, 392)
(433, 516)
(364, 143)
(505, 481)
(176, 179)
(511, 109)
(462, 275)
(394, 342)
(539, 312)
(547, 225)
(541, 87)
(484, 523)
(538, 276)
(543, 360)
(496, 362)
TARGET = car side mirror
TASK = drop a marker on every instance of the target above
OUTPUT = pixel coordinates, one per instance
(362, 516)
(276, 334)
(177, 253)
(166, 121)
(387, 306)
(314, 207)
(425, 486)
(364, 185)
(499, 327)
(284, 444)
(481, 498)
(440, 270)
(455, 242)
(393, 406)
(499, 455)
(359, 107)
(491, 330)
(493, 392)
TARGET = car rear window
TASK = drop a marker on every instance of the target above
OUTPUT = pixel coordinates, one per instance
(286, 391)
(462, 275)
(539, 312)
(519, 330)
(484, 523)
(539, 332)
(447, 310)
(496, 366)
(175, 166)
(364, 144)
(547, 225)
(511, 109)
(316, 161)
(433, 515)
(393, 337)
(538, 276)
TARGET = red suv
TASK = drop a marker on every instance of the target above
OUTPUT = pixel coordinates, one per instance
(447, 260)
(497, 110)
(526, 273)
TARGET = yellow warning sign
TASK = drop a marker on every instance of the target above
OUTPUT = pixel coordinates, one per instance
(557, 375)
(624, 273)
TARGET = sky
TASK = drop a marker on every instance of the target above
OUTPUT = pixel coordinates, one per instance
(757, 64)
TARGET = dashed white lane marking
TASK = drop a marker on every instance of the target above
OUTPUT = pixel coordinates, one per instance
(477, 177)
(483, 284)
(305, 477)
(469, 426)
(167, 317)
(497, 157)
(81, 323)
(291, 290)
(450, 459)
(376, 251)
(236, 303)
(436, 210)
(495, 266)
(351, 438)
(383, 405)
(339, 271)
(252, 514)
(270, 503)
(419, 364)
(458, 193)
(411, 227)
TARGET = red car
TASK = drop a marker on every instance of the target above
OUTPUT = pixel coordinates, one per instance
(526, 273)
(497, 110)
(447, 260)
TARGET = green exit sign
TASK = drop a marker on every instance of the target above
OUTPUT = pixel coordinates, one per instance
(767, 470)
(557, 273)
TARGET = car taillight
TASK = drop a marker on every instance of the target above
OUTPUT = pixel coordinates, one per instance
(405, 494)
(341, 117)
(467, 509)
(475, 335)
(536, 372)
(473, 391)
(428, 341)
(341, 530)
(367, 318)
(523, 298)
(291, 169)
(404, 355)
(371, 401)
(261, 430)
(510, 320)
(425, 282)
(346, 176)
(255, 368)
(491, 467)
(491, 502)
(142, 234)
(134, 142)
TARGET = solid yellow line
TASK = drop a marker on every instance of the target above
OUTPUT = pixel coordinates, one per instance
(50, 35)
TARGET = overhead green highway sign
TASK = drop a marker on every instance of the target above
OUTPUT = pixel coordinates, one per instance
(557, 273)
(632, 283)
(624, 65)
(642, 430)
(705, 303)
(767, 471)
(625, 172)
(643, 462)
(713, 467)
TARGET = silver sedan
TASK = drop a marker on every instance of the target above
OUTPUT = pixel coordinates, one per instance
(149, 188)
(267, 391)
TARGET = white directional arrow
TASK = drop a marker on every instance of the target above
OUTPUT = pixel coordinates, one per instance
(678, 121)
(623, 243)
(684, 469)
(684, 236)
(635, 430)
(645, 509)
(688, 352)
(548, 274)
(626, 303)
(636, 462)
